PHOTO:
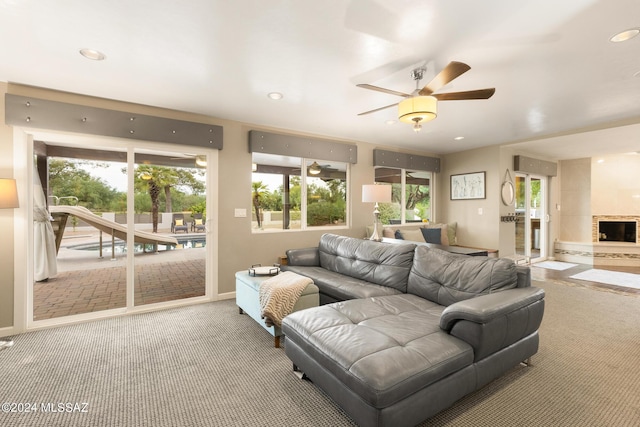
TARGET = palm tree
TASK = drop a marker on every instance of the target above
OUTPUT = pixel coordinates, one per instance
(158, 178)
(258, 188)
(150, 176)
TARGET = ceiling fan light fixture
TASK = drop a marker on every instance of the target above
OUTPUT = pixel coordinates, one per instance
(418, 109)
(315, 168)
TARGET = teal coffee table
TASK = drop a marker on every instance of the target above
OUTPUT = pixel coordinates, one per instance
(248, 299)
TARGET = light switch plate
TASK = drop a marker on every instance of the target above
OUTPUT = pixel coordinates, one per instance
(240, 213)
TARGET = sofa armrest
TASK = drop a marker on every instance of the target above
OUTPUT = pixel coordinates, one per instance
(492, 322)
(309, 257)
(524, 276)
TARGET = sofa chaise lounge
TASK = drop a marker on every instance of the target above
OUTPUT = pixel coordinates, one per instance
(411, 329)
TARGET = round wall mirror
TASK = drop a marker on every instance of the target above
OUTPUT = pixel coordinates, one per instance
(508, 193)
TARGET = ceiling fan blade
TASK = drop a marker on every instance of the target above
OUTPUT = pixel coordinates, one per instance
(381, 89)
(451, 71)
(470, 94)
(378, 109)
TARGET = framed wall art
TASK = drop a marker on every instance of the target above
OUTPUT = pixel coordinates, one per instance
(468, 186)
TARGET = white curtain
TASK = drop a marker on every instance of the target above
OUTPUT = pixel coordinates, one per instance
(44, 239)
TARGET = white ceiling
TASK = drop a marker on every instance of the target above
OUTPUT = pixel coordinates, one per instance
(552, 64)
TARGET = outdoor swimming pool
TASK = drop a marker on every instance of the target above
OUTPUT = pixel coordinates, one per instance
(186, 242)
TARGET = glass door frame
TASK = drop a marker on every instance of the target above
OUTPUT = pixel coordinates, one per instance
(24, 239)
(542, 215)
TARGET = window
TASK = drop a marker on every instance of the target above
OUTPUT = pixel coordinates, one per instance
(410, 195)
(289, 193)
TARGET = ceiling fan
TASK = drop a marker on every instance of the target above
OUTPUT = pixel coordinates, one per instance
(315, 168)
(200, 160)
(421, 104)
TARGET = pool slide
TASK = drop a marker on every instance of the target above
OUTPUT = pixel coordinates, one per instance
(112, 228)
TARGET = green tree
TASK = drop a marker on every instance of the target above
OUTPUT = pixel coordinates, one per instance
(68, 178)
(337, 189)
(415, 195)
(295, 193)
(388, 211)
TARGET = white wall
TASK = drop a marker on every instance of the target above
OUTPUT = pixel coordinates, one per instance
(615, 185)
(481, 230)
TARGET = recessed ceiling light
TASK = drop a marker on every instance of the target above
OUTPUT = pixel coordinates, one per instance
(93, 54)
(600, 160)
(625, 35)
(390, 122)
(274, 95)
(458, 138)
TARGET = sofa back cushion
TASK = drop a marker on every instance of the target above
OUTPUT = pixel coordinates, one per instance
(384, 264)
(446, 278)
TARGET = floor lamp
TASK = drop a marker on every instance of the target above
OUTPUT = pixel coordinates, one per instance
(8, 200)
(374, 193)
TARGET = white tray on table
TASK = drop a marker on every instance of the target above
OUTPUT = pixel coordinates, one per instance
(267, 270)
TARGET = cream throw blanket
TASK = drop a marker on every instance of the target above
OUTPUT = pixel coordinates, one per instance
(279, 294)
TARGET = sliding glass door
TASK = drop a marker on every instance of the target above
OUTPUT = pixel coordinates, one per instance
(82, 194)
(119, 227)
(170, 191)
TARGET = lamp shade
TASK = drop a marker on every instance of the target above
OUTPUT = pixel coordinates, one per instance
(418, 109)
(373, 193)
(8, 193)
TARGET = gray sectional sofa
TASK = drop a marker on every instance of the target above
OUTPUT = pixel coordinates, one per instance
(406, 330)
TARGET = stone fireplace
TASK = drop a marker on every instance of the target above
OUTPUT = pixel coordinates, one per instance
(614, 243)
(615, 228)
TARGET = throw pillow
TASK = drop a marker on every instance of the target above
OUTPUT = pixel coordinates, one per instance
(198, 221)
(413, 235)
(398, 235)
(432, 235)
(179, 222)
(444, 238)
(388, 232)
(452, 228)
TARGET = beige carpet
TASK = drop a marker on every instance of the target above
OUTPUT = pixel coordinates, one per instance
(207, 365)
(585, 373)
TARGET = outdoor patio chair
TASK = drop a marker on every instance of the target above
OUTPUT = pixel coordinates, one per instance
(178, 223)
(198, 223)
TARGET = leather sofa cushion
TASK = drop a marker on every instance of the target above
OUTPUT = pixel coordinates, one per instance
(379, 263)
(447, 278)
(384, 349)
(340, 287)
